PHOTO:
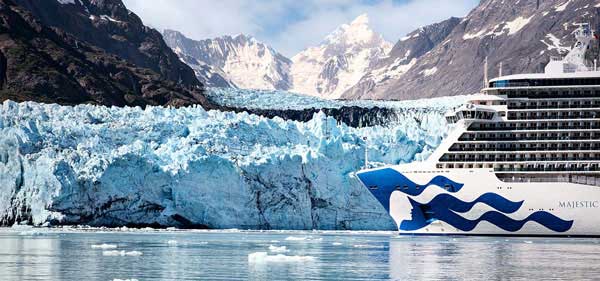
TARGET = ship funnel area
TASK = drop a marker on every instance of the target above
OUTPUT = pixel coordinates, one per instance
(574, 61)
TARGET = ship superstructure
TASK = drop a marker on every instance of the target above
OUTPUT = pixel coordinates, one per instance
(523, 159)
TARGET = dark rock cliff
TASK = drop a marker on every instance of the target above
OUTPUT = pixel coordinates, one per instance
(92, 51)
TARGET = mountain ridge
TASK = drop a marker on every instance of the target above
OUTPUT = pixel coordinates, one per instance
(241, 60)
(522, 35)
(325, 70)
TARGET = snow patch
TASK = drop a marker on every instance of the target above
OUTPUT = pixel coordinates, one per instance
(410, 36)
(480, 33)
(555, 44)
(429, 71)
(65, 2)
(562, 7)
(508, 28)
(517, 24)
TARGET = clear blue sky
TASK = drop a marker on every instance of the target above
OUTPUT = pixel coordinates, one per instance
(290, 25)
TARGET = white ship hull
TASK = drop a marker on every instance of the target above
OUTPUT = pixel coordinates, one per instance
(476, 202)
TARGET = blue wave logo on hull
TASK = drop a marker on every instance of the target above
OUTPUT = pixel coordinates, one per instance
(382, 183)
(491, 199)
(443, 210)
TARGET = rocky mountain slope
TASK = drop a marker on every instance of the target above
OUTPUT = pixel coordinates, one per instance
(447, 58)
(240, 61)
(88, 51)
(340, 61)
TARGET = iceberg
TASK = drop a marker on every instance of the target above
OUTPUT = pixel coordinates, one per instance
(191, 168)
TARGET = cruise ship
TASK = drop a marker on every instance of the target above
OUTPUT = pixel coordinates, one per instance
(523, 158)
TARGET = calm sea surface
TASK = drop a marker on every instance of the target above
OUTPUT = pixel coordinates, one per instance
(33, 254)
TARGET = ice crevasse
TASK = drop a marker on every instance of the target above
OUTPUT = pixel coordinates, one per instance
(186, 167)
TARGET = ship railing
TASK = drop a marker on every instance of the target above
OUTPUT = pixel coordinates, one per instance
(555, 169)
(558, 179)
(534, 128)
(544, 107)
(519, 160)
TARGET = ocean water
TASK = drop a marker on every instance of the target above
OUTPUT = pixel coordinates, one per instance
(76, 254)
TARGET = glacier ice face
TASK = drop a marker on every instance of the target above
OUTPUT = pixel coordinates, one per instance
(281, 100)
(188, 167)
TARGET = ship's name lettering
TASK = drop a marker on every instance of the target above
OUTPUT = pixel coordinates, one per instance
(579, 204)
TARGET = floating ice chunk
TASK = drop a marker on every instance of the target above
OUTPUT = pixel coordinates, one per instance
(366, 246)
(294, 238)
(32, 232)
(303, 238)
(172, 242)
(104, 246)
(276, 249)
(528, 242)
(122, 253)
(336, 244)
(263, 257)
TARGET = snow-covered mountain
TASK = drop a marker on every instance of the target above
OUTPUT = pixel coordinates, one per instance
(447, 58)
(240, 61)
(331, 68)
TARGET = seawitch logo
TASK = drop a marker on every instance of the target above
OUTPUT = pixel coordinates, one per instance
(579, 204)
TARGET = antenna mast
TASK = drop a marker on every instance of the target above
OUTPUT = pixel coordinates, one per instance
(485, 73)
(500, 71)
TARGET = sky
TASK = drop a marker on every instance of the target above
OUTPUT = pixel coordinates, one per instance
(290, 26)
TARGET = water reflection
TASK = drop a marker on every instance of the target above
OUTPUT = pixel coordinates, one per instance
(68, 255)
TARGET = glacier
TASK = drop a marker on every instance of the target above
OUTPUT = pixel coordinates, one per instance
(285, 100)
(191, 168)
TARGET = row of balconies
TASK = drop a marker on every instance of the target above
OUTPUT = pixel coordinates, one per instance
(558, 94)
(522, 168)
(553, 115)
(563, 136)
(455, 157)
(534, 126)
(523, 147)
(550, 178)
(554, 104)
